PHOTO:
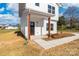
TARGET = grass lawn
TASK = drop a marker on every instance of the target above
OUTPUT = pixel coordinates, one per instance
(13, 45)
(7, 35)
(2, 31)
(68, 30)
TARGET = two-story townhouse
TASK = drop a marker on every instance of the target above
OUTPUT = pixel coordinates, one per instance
(38, 18)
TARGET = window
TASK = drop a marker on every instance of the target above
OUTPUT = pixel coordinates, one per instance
(53, 12)
(51, 9)
(37, 4)
(49, 6)
(48, 26)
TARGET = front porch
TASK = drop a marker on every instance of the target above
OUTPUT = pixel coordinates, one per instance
(36, 23)
(55, 36)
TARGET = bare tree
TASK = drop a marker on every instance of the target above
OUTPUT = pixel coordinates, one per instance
(71, 14)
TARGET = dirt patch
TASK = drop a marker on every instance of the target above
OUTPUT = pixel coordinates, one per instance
(58, 36)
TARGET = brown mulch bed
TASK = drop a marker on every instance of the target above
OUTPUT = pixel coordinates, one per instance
(57, 36)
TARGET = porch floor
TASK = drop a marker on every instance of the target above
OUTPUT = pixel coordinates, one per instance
(53, 43)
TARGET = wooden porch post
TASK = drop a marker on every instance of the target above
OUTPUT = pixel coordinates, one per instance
(49, 27)
(28, 26)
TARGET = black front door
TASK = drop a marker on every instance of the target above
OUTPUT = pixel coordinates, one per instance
(32, 28)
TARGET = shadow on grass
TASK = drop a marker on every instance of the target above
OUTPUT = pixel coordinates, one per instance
(19, 33)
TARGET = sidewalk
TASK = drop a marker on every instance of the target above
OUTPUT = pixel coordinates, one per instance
(53, 43)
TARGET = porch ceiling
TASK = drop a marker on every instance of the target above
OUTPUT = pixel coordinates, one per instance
(41, 13)
(38, 14)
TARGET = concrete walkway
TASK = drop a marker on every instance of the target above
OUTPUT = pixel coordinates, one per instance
(53, 43)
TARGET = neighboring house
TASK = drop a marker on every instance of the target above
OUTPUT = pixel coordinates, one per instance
(11, 27)
(0, 26)
(3, 26)
(38, 18)
(7, 26)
